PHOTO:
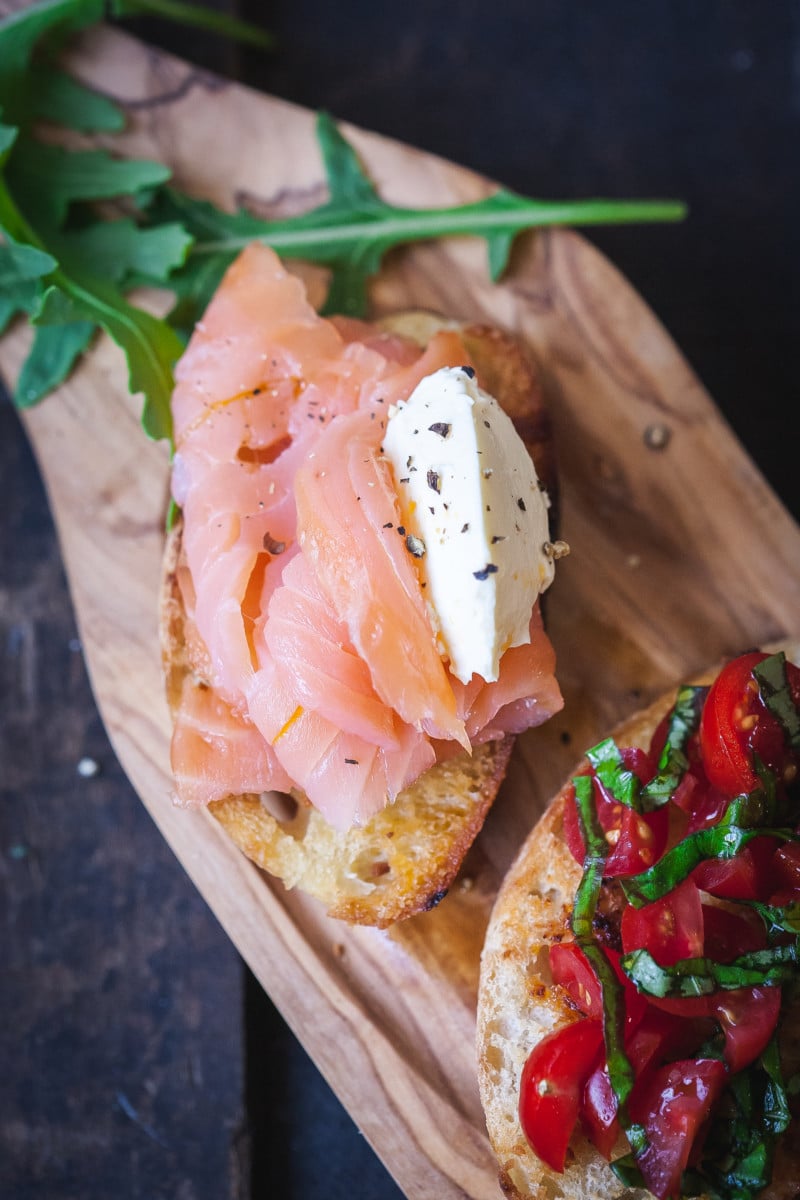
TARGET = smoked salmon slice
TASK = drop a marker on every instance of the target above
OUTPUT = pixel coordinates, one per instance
(308, 622)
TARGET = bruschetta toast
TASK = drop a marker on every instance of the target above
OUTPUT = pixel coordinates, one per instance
(637, 1002)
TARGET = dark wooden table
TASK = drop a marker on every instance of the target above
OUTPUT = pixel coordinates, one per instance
(139, 1059)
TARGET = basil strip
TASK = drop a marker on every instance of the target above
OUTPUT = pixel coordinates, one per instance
(717, 841)
(684, 721)
(619, 782)
(773, 685)
(739, 1151)
(703, 976)
(594, 861)
(620, 1071)
(759, 807)
(627, 1172)
(778, 920)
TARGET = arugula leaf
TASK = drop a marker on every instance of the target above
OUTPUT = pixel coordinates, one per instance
(52, 178)
(24, 298)
(52, 357)
(150, 345)
(123, 251)
(70, 268)
(20, 34)
(57, 97)
(20, 263)
(355, 228)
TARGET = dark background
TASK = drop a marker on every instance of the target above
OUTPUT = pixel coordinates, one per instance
(138, 1057)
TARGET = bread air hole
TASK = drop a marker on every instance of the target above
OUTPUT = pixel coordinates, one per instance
(370, 868)
(280, 805)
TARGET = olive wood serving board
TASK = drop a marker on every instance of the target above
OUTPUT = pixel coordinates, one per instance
(674, 536)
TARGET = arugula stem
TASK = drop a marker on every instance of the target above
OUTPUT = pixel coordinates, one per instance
(423, 224)
(195, 16)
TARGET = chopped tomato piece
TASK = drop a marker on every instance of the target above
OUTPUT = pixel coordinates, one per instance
(599, 1112)
(703, 804)
(638, 840)
(748, 1017)
(551, 1087)
(749, 875)
(672, 1105)
(571, 969)
(786, 869)
(728, 933)
(670, 928)
(636, 1003)
(657, 1036)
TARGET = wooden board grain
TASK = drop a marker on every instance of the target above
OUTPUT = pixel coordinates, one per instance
(674, 538)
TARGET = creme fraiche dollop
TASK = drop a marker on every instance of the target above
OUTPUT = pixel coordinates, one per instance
(476, 518)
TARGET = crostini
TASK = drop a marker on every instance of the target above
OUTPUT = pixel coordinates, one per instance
(350, 617)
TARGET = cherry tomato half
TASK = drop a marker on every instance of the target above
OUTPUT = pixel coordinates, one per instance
(736, 726)
(552, 1084)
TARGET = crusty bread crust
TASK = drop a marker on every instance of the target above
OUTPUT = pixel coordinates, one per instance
(404, 860)
(518, 1003)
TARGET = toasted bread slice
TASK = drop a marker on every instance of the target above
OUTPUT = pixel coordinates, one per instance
(518, 1004)
(405, 858)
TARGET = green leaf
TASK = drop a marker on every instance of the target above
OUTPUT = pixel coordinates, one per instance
(21, 32)
(23, 299)
(354, 229)
(619, 782)
(499, 245)
(20, 263)
(716, 841)
(739, 1148)
(684, 721)
(118, 250)
(150, 346)
(778, 919)
(195, 16)
(51, 178)
(777, 695)
(57, 97)
(703, 976)
(52, 356)
(8, 135)
(350, 187)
